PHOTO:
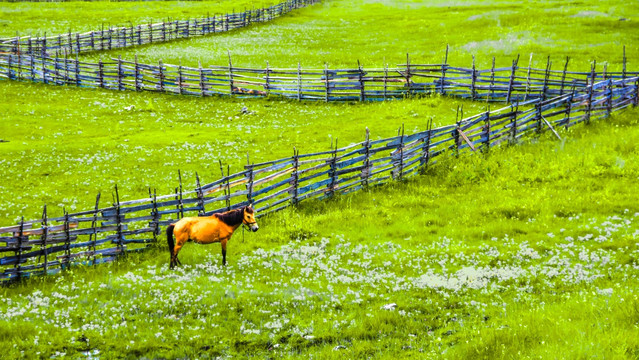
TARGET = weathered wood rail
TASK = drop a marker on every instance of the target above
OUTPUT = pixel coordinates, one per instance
(506, 84)
(140, 34)
(50, 244)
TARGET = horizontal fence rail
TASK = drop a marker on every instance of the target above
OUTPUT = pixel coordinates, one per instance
(50, 244)
(140, 34)
(506, 84)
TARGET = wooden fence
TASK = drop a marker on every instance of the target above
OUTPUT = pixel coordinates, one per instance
(50, 244)
(505, 84)
(140, 34)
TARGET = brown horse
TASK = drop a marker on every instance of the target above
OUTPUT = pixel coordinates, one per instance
(207, 230)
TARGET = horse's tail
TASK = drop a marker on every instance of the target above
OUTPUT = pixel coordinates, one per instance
(169, 239)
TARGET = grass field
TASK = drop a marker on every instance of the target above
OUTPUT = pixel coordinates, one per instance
(525, 252)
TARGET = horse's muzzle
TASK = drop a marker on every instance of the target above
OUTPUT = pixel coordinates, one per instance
(254, 228)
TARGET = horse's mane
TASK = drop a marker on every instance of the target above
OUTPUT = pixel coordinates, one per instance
(231, 218)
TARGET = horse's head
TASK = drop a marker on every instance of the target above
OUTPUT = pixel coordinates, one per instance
(249, 218)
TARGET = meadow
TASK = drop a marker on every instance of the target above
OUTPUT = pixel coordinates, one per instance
(523, 252)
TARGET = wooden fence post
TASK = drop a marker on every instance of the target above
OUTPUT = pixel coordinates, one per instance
(408, 76)
(43, 239)
(399, 170)
(93, 237)
(528, 77)
(512, 79)
(513, 124)
(426, 145)
(590, 91)
(487, 130)
(366, 169)
(362, 92)
(120, 73)
(137, 74)
(332, 172)
(119, 243)
(444, 68)
(563, 77)
(200, 196)
(230, 72)
(249, 181)
(295, 178)
(180, 78)
(385, 81)
(326, 83)
(473, 79)
(202, 85)
(299, 81)
(17, 266)
(100, 74)
(491, 93)
(544, 89)
(77, 70)
(161, 76)
(67, 242)
(179, 196)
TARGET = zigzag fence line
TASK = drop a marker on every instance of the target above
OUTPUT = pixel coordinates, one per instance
(506, 84)
(134, 35)
(101, 234)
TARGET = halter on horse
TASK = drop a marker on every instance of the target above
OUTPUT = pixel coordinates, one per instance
(207, 230)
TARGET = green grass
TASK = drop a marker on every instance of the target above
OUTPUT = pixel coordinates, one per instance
(525, 252)
(340, 32)
(77, 16)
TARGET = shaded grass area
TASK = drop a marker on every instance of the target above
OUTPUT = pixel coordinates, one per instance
(71, 144)
(516, 252)
(340, 32)
(55, 18)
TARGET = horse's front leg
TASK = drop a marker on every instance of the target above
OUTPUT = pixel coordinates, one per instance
(223, 243)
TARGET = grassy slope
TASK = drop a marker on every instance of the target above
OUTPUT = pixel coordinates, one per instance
(339, 32)
(60, 17)
(460, 211)
(527, 239)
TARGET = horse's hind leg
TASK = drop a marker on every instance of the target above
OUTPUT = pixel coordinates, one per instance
(179, 242)
(223, 243)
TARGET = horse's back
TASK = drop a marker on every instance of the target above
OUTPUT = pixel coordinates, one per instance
(202, 230)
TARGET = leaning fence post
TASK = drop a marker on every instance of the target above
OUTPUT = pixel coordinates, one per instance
(512, 79)
(267, 87)
(566, 120)
(513, 124)
(425, 160)
(528, 77)
(563, 77)
(385, 80)
(77, 70)
(399, 171)
(179, 80)
(546, 77)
